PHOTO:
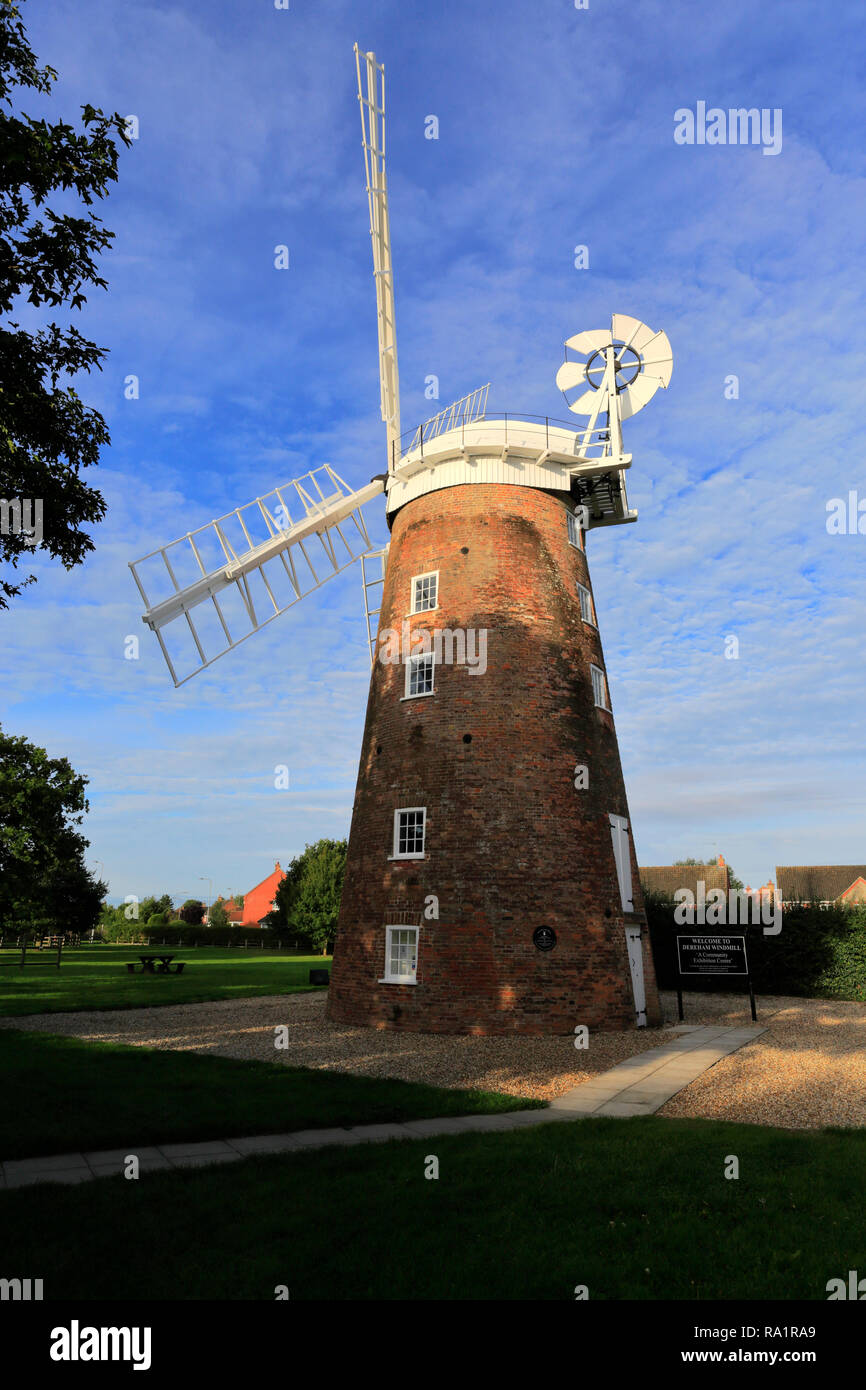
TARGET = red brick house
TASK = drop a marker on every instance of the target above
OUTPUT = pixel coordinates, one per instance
(234, 914)
(258, 902)
(767, 890)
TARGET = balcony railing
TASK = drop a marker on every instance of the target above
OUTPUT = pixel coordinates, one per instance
(455, 417)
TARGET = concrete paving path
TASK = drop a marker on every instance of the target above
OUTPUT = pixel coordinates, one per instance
(642, 1084)
(638, 1086)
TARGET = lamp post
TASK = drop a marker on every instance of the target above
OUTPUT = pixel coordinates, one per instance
(209, 882)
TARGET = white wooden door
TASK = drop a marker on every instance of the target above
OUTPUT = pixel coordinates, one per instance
(635, 961)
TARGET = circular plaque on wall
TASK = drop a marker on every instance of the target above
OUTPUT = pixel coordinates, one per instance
(544, 938)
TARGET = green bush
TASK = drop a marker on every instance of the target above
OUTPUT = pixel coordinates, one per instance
(158, 919)
(117, 932)
(820, 952)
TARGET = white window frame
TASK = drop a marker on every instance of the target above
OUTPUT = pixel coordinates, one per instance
(428, 574)
(598, 671)
(388, 978)
(587, 603)
(409, 694)
(574, 529)
(415, 854)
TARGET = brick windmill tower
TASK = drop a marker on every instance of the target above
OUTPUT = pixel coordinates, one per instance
(491, 882)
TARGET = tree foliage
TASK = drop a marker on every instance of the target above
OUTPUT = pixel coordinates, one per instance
(48, 258)
(43, 877)
(192, 912)
(218, 917)
(308, 898)
(152, 906)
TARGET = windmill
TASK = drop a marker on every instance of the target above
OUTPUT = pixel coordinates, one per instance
(491, 879)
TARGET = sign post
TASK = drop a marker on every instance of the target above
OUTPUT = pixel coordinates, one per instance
(712, 955)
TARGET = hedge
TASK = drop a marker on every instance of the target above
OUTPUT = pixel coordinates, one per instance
(175, 933)
(820, 952)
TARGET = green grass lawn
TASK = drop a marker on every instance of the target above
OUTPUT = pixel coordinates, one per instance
(634, 1209)
(61, 1095)
(95, 977)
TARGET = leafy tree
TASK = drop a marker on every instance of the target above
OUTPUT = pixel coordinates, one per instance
(308, 898)
(192, 912)
(110, 916)
(280, 917)
(317, 906)
(218, 917)
(74, 900)
(47, 434)
(43, 877)
(150, 906)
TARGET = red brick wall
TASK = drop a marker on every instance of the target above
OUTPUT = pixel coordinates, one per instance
(511, 844)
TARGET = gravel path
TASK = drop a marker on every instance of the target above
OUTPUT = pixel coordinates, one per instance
(807, 1071)
(538, 1067)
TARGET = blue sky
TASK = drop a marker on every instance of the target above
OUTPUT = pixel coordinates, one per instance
(555, 130)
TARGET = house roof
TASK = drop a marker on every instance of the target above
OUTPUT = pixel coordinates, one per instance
(665, 879)
(816, 883)
(268, 885)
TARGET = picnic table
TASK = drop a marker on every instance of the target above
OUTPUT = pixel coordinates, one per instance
(150, 967)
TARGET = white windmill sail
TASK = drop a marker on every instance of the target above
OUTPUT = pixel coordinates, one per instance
(208, 591)
(373, 566)
(371, 100)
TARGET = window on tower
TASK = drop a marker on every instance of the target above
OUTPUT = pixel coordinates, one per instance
(587, 607)
(599, 687)
(419, 675)
(575, 534)
(425, 589)
(401, 956)
(409, 828)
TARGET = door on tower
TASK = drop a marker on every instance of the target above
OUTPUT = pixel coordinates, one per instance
(635, 962)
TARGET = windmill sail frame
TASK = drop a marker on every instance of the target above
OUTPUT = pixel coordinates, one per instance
(372, 107)
(271, 573)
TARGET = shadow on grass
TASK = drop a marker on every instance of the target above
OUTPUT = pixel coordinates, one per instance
(633, 1209)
